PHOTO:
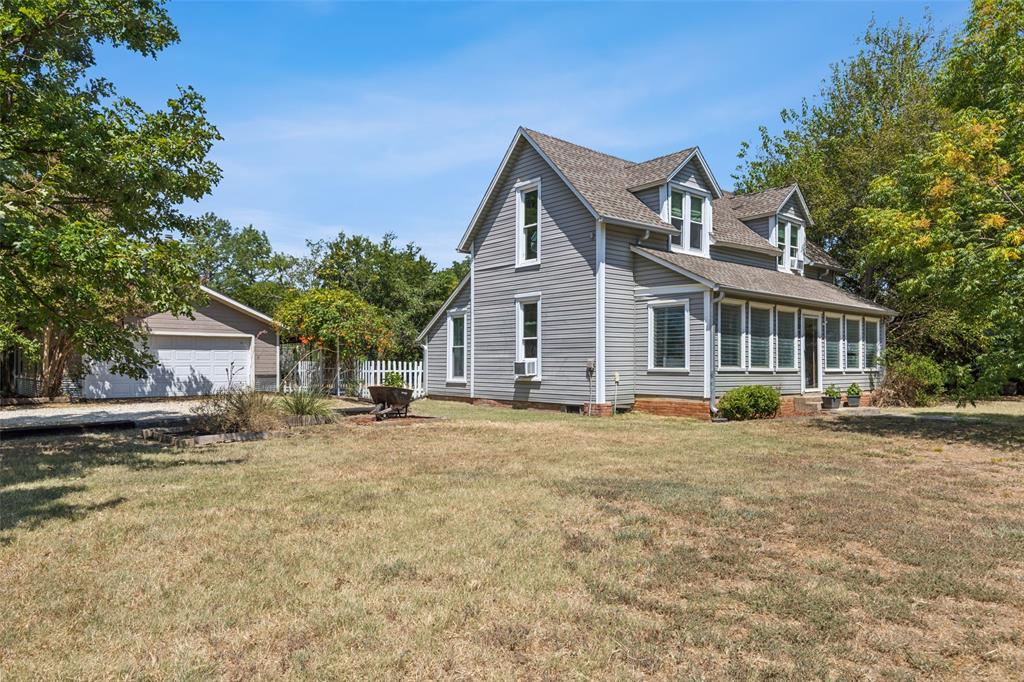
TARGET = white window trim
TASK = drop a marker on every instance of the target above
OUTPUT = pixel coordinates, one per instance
(771, 337)
(666, 210)
(878, 342)
(860, 342)
(522, 188)
(668, 303)
(842, 344)
(819, 319)
(777, 223)
(743, 336)
(451, 378)
(520, 300)
(796, 339)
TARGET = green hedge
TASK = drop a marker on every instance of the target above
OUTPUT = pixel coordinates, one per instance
(750, 402)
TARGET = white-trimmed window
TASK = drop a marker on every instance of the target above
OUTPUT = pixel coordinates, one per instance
(785, 339)
(457, 346)
(668, 329)
(833, 343)
(528, 328)
(760, 326)
(872, 343)
(853, 343)
(730, 335)
(528, 209)
(789, 237)
(690, 213)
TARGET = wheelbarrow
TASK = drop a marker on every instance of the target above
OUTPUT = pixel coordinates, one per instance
(390, 401)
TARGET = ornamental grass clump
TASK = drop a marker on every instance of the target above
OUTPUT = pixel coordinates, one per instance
(238, 410)
(750, 402)
(306, 403)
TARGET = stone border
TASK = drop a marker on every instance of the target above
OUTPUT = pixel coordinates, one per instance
(177, 438)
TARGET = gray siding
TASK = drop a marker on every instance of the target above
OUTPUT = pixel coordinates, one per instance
(724, 253)
(565, 279)
(217, 318)
(760, 225)
(819, 273)
(692, 174)
(437, 351)
(619, 332)
(792, 209)
(651, 198)
(658, 383)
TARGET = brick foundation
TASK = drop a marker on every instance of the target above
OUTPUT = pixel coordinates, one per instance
(674, 407)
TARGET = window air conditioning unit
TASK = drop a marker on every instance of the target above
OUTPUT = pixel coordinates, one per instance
(526, 368)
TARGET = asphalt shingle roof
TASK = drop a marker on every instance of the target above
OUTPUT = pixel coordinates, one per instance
(760, 203)
(604, 181)
(764, 282)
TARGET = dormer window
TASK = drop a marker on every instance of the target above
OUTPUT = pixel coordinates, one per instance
(789, 237)
(688, 213)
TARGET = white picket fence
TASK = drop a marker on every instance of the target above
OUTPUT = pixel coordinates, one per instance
(372, 373)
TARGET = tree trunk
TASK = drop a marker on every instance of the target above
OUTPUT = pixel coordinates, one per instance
(56, 352)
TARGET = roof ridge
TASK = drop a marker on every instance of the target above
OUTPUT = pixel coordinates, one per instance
(574, 144)
(738, 195)
(665, 156)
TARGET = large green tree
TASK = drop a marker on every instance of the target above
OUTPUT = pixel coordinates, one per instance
(337, 319)
(949, 219)
(872, 110)
(398, 279)
(91, 184)
(241, 263)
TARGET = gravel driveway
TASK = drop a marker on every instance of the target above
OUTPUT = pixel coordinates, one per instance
(63, 414)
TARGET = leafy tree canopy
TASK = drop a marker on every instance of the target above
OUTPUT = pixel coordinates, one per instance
(90, 184)
(949, 219)
(397, 279)
(241, 263)
(336, 318)
(873, 109)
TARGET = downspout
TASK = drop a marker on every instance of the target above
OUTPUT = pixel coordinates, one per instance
(715, 300)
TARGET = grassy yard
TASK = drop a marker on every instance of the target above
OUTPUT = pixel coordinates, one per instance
(500, 543)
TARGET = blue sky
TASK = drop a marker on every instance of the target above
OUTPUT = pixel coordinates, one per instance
(382, 117)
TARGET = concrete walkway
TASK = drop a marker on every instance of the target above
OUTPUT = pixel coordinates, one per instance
(72, 414)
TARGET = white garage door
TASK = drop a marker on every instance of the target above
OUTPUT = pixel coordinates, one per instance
(186, 365)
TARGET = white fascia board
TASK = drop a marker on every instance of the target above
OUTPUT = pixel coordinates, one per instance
(809, 303)
(675, 268)
(232, 303)
(521, 134)
(444, 308)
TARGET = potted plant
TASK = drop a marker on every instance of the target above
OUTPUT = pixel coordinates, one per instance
(853, 395)
(832, 398)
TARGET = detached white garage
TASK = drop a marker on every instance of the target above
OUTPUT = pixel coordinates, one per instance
(227, 344)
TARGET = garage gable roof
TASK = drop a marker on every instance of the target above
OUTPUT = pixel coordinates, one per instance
(240, 307)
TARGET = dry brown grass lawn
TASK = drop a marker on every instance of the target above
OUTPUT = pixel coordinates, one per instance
(501, 543)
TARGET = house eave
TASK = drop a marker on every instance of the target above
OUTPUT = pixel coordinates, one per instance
(240, 307)
(443, 308)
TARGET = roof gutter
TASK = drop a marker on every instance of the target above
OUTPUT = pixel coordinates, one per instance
(880, 311)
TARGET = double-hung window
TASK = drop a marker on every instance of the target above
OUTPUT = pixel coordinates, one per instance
(760, 337)
(790, 243)
(667, 331)
(528, 330)
(785, 339)
(528, 223)
(730, 337)
(871, 344)
(833, 343)
(853, 343)
(457, 347)
(689, 214)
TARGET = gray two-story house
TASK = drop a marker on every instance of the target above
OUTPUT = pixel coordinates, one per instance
(598, 284)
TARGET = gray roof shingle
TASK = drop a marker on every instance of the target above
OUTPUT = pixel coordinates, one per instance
(761, 203)
(603, 181)
(764, 282)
